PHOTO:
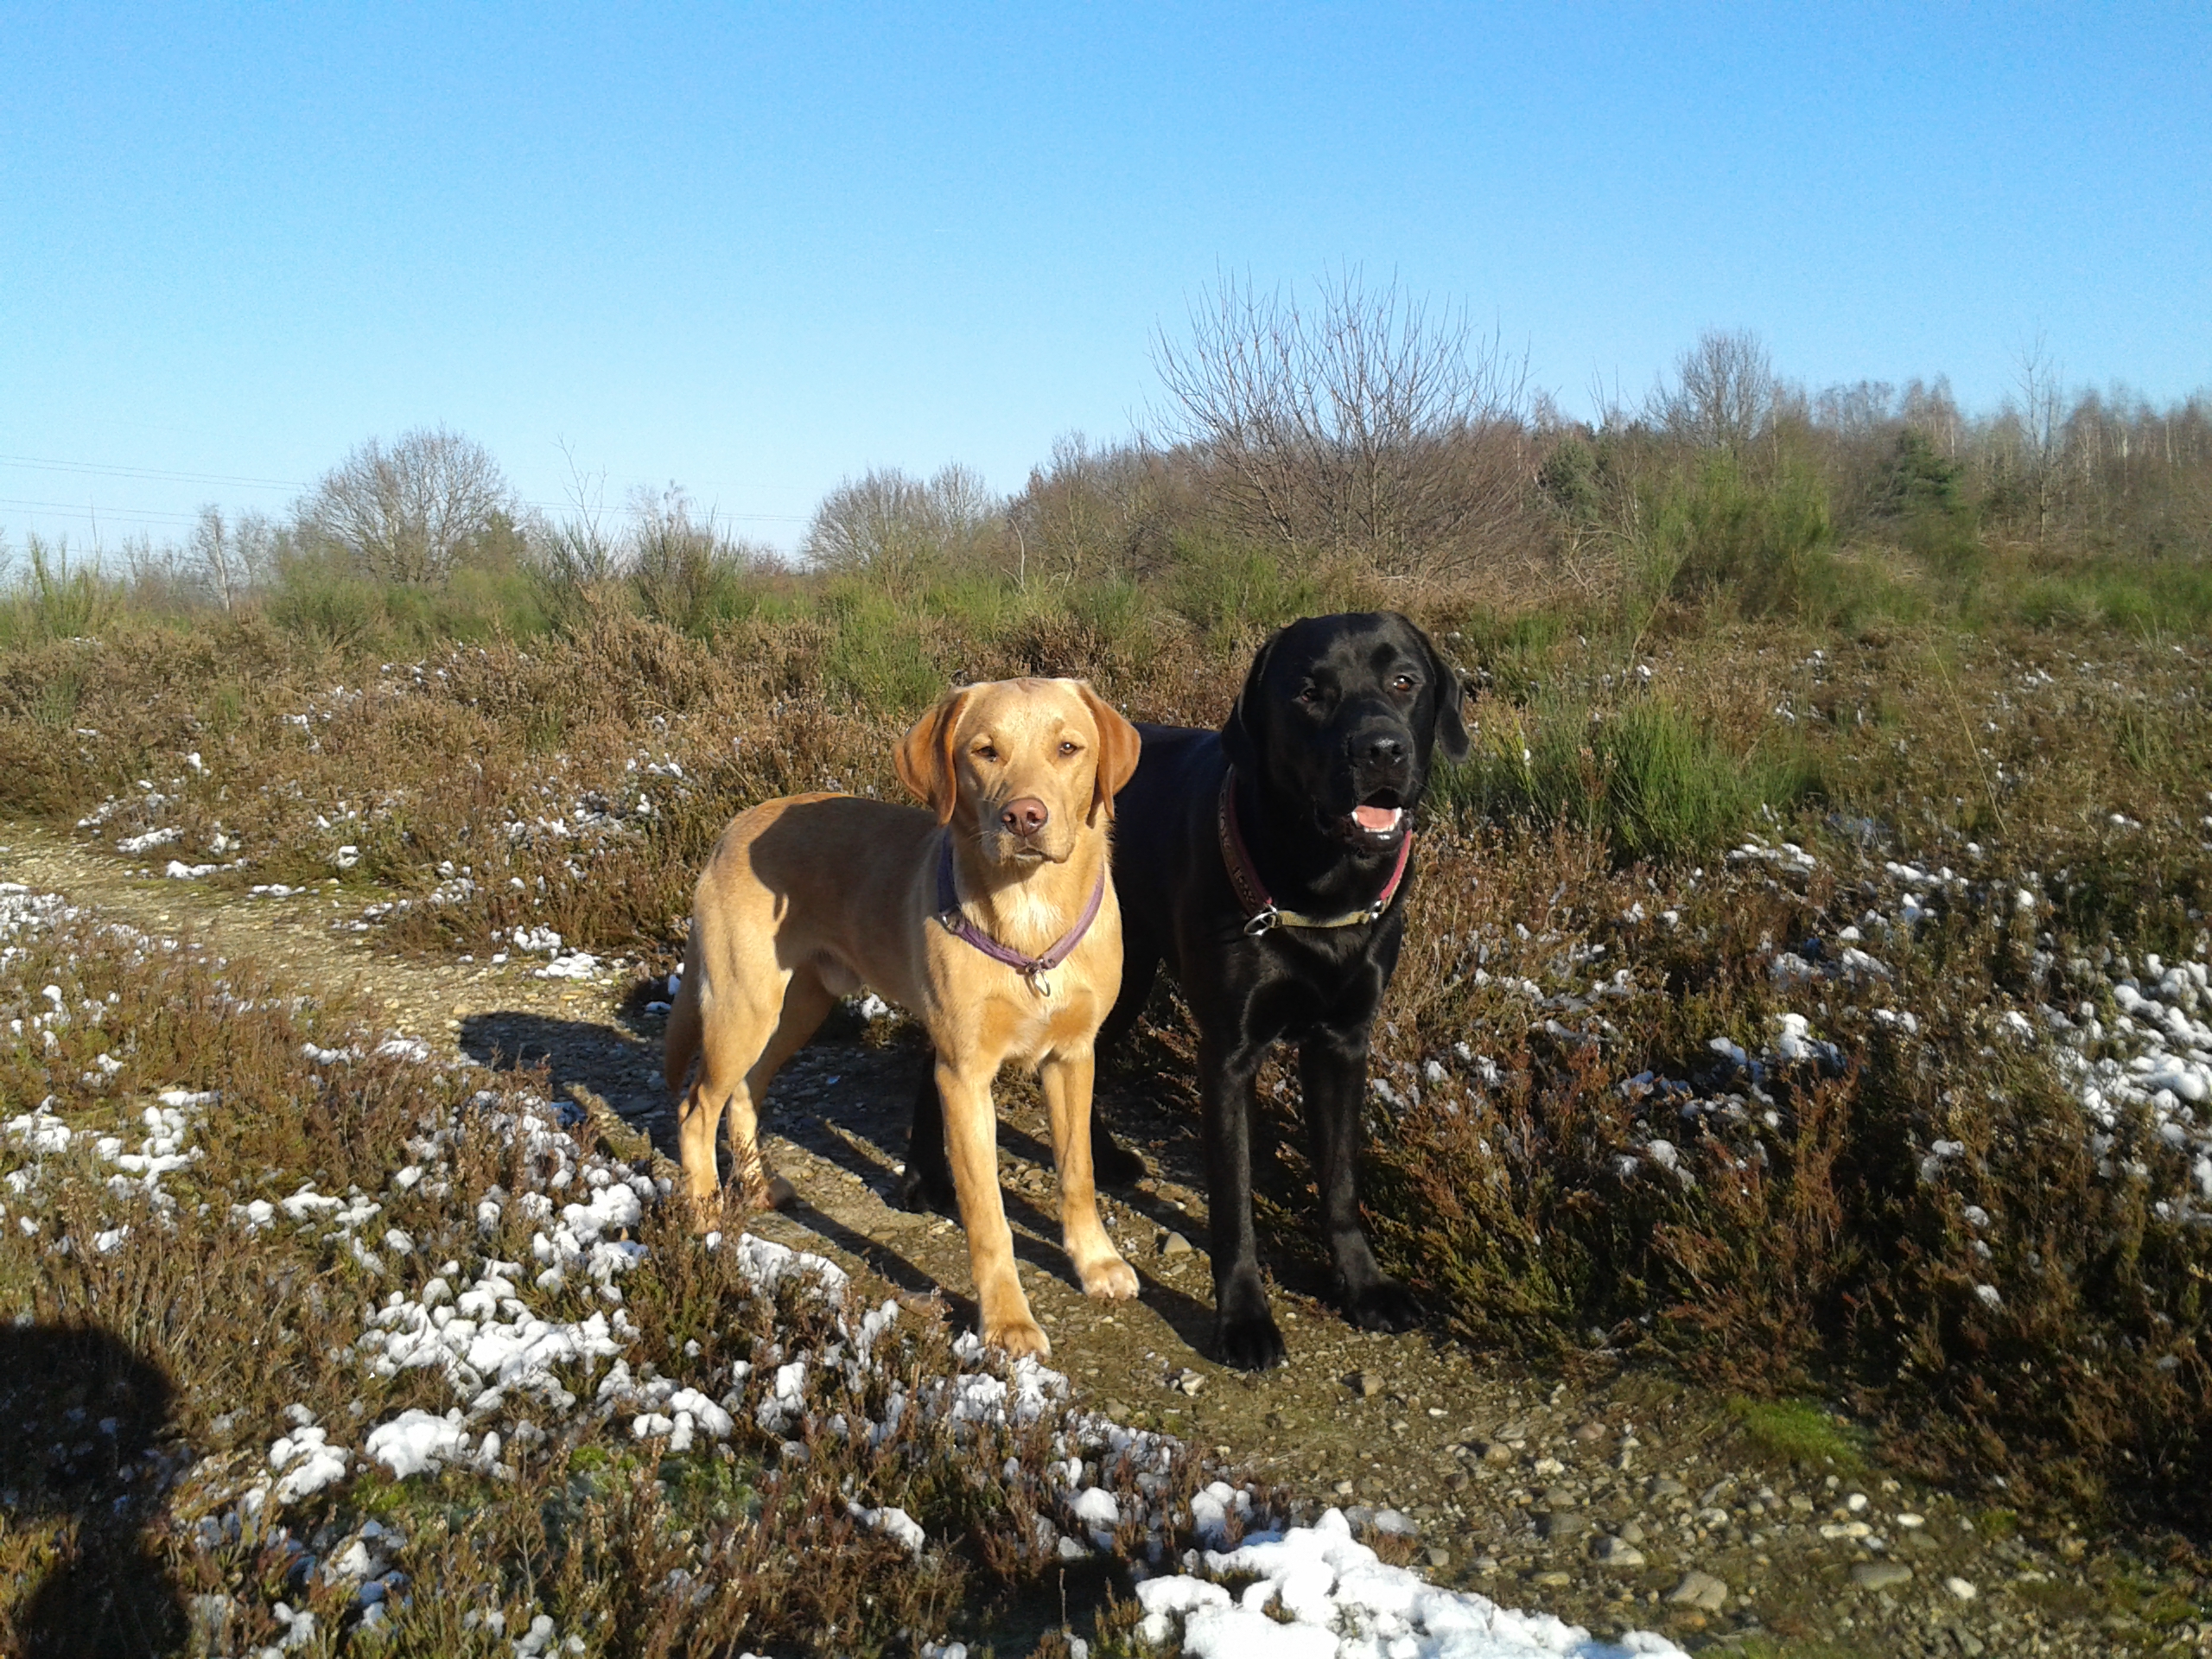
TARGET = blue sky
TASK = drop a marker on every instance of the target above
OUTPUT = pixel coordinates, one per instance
(753, 251)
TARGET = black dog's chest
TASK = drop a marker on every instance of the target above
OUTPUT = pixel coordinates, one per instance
(1294, 982)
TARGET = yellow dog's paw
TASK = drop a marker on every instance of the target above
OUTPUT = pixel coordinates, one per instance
(1111, 1280)
(770, 1192)
(1016, 1337)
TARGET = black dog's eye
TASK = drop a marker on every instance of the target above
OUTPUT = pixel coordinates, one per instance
(1403, 682)
(1307, 694)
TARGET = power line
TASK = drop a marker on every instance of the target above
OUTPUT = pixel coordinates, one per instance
(163, 475)
(159, 474)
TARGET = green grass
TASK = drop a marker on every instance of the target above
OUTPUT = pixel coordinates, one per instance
(1650, 779)
(1804, 1432)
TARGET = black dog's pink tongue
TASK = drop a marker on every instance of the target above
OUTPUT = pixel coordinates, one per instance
(1376, 818)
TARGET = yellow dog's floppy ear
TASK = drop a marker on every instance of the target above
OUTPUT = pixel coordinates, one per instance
(924, 758)
(1118, 747)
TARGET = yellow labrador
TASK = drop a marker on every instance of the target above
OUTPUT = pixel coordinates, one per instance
(990, 918)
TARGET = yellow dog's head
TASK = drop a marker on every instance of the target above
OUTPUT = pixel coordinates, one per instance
(1021, 766)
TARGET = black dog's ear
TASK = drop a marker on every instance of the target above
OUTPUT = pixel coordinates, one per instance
(1243, 735)
(1451, 692)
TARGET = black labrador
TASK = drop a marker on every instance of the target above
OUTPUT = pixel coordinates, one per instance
(1266, 864)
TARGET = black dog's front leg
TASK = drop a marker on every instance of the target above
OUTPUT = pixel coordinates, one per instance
(926, 1183)
(1333, 1070)
(1244, 1330)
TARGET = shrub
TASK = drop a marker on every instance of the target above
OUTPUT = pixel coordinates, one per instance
(1649, 780)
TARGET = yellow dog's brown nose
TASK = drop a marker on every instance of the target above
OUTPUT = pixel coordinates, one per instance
(1026, 816)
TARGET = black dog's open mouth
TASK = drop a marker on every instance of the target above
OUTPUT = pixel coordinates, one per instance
(1378, 818)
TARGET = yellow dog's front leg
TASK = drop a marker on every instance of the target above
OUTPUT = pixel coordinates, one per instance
(971, 1143)
(1066, 1079)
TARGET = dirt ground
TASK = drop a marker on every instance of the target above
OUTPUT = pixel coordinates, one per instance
(1620, 1499)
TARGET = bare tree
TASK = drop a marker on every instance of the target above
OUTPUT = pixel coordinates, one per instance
(1723, 392)
(896, 526)
(216, 557)
(1370, 422)
(2036, 377)
(409, 513)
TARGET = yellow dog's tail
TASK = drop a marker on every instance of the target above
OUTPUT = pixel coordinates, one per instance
(681, 1047)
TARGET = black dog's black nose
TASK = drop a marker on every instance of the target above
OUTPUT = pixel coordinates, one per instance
(1379, 748)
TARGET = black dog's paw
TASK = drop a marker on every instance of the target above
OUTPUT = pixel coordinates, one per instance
(922, 1189)
(1113, 1164)
(1251, 1342)
(1385, 1304)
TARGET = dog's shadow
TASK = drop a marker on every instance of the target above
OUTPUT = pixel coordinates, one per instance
(618, 1061)
(79, 1408)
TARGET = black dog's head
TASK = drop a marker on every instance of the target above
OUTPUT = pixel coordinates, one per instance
(1340, 716)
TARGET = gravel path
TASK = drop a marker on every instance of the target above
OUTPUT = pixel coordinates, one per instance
(1623, 1500)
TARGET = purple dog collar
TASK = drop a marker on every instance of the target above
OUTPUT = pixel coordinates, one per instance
(1032, 969)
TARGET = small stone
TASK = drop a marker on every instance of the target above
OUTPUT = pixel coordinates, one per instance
(1966, 1642)
(1457, 1481)
(1668, 1486)
(1365, 1385)
(1559, 1525)
(1701, 1591)
(1343, 1489)
(1486, 1565)
(1908, 1519)
(1437, 1556)
(1880, 1575)
(1554, 1579)
(1631, 1531)
(1174, 1244)
(1591, 1431)
(1856, 1503)
(1962, 1588)
(1616, 1553)
(1497, 1452)
(1190, 1382)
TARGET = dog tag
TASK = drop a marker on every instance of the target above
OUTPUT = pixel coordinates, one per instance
(1041, 985)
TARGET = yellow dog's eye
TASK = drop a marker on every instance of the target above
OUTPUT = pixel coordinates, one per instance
(1067, 747)
(986, 751)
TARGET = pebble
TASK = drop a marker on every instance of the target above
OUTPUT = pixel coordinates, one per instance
(1174, 1244)
(1561, 1524)
(1365, 1385)
(1701, 1591)
(1437, 1556)
(1880, 1575)
(1616, 1553)
(1962, 1588)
